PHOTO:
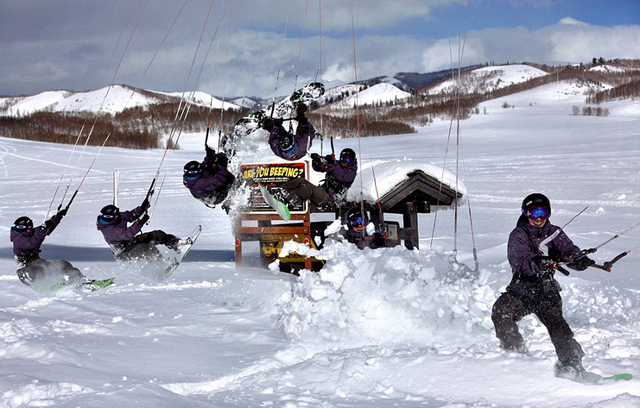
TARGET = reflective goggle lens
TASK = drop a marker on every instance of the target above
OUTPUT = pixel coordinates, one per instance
(346, 160)
(357, 222)
(22, 227)
(109, 216)
(539, 212)
(191, 172)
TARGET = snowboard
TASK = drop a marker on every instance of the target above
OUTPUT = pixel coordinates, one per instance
(176, 262)
(95, 285)
(284, 109)
(86, 286)
(592, 378)
(280, 207)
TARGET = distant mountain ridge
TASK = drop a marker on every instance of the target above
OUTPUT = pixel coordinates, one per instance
(475, 79)
(410, 81)
(114, 99)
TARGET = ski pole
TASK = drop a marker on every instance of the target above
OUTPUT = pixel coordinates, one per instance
(151, 190)
(607, 265)
(575, 216)
(618, 235)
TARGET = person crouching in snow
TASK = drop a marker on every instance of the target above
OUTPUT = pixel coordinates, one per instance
(126, 241)
(534, 249)
(356, 233)
(209, 181)
(290, 146)
(32, 269)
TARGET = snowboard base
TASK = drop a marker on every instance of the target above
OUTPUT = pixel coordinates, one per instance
(174, 265)
(280, 207)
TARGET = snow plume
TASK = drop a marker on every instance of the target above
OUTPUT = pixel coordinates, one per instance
(387, 296)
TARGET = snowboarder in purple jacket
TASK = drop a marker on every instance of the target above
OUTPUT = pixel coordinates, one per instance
(27, 241)
(125, 240)
(534, 250)
(290, 146)
(330, 194)
(209, 181)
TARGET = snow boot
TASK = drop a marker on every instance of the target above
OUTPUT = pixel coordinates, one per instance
(182, 245)
(286, 197)
(572, 370)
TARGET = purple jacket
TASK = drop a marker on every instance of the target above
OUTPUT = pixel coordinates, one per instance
(27, 247)
(305, 133)
(207, 183)
(523, 252)
(343, 174)
(374, 241)
(120, 233)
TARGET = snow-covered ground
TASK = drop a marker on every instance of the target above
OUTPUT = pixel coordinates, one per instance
(382, 328)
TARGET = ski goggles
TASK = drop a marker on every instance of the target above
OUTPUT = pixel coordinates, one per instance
(539, 212)
(357, 222)
(346, 160)
(110, 216)
(192, 172)
(22, 228)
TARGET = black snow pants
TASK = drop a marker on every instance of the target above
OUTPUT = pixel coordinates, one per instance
(40, 270)
(144, 246)
(305, 190)
(546, 304)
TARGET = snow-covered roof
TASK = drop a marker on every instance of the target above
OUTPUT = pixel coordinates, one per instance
(390, 173)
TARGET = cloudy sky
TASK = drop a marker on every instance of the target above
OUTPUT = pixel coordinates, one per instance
(238, 47)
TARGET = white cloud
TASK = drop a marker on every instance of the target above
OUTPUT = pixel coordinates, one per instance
(572, 21)
(567, 41)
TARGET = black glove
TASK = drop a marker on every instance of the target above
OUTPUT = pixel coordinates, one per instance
(61, 213)
(144, 219)
(330, 159)
(379, 240)
(210, 152)
(556, 255)
(221, 160)
(145, 204)
(582, 263)
(48, 225)
(268, 124)
(319, 164)
(315, 156)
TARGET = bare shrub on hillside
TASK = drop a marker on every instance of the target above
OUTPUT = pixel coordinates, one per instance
(134, 128)
(60, 128)
(630, 90)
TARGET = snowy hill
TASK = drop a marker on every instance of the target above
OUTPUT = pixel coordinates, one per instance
(245, 102)
(376, 328)
(488, 79)
(409, 81)
(376, 94)
(204, 99)
(112, 99)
